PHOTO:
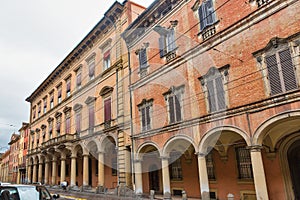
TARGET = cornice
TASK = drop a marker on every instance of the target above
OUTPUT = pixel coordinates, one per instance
(156, 11)
(108, 21)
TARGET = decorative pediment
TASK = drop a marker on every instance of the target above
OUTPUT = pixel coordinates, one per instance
(77, 107)
(144, 101)
(106, 90)
(58, 114)
(106, 44)
(214, 72)
(272, 44)
(90, 100)
(43, 126)
(92, 56)
(173, 89)
(67, 109)
(50, 119)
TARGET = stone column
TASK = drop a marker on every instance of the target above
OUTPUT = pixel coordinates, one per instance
(128, 168)
(100, 169)
(54, 172)
(85, 169)
(73, 171)
(46, 181)
(203, 177)
(138, 177)
(18, 177)
(166, 177)
(34, 172)
(29, 173)
(259, 173)
(63, 169)
(40, 174)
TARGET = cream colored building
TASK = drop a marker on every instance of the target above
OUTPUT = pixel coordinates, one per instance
(79, 117)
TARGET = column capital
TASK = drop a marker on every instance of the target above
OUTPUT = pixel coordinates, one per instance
(137, 160)
(86, 154)
(73, 157)
(201, 154)
(255, 148)
(100, 152)
(164, 158)
(54, 159)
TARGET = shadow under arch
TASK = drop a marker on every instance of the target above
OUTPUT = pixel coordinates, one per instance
(211, 137)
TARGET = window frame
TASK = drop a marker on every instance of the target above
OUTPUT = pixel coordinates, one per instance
(143, 117)
(243, 173)
(177, 94)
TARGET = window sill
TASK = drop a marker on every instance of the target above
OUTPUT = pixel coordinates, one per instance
(245, 181)
(209, 31)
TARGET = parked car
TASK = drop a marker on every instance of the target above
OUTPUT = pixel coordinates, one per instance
(3, 183)
(25, 192)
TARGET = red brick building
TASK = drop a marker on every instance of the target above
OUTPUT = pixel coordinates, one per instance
(215, 98)
(13, 158)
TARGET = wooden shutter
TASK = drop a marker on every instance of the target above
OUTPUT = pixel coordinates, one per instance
(91, 117)
(273, 75)
(162, 46)
(92, 69)
(68, 125)
(178, 107)
(143, 58)
(220, 93)
(171, 109)
(211, 95)
(202, 16)
(78, 123)
(143, 112)
(210, 11)
(171, 41)
(78, 80)
(288, 70)
(107, 109)
(68, 86)
(148, 120)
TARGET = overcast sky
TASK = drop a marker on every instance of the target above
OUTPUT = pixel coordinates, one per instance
(35, 36)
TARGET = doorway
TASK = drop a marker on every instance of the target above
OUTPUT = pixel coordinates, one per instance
(154, 178)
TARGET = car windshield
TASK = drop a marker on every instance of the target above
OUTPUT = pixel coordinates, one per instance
(28, 193)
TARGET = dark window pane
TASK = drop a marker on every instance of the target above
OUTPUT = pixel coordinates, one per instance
(211, 95)
(171, 109)
(107, 109)
(178, 107)
(220, 93)
(162, 46)
(91, 117)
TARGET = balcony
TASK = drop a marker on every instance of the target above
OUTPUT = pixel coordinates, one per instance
(58, 140)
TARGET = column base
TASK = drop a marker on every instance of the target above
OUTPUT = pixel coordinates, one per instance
(100, 190)
(167, 195)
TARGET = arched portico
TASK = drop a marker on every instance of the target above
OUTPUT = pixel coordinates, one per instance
(225, 161)
(279, 135)
(147, 167)
(180, 167)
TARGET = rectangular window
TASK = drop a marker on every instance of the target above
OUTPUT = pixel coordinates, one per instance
(92, 69)
(216, 94)
(68, 125)
(175, 166)
(78, 80)
(45, 105)
(34, 113)
(68, 89)
(78, 123)
(107, 109)
(281, 72)
(244, 163)
(167, 42)
(91, 117)
(51, 100)
(51, 130)
(174, 107)
(106, 60)
(39, 109)
(210, 166)
(207, 14)
(58, 125)
(59, 97)
(146, 120)
(143, 58)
